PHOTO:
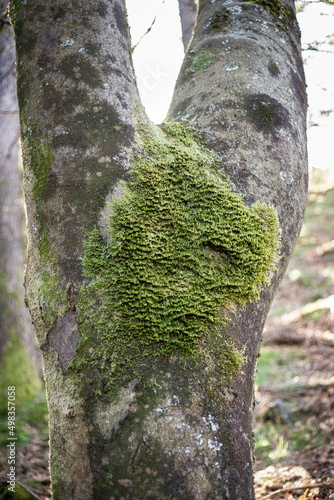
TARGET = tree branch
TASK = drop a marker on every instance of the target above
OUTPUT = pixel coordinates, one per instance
(147, 31)
(296, 488)
(188, 12)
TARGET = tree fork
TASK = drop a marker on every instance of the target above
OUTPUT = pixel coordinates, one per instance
(178, 424)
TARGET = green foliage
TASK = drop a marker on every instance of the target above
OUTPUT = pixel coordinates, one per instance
(274, 365)
(19, 494)
(17, 370)
(31, 414)
(183, 247)
(274, 442)
(270, 445)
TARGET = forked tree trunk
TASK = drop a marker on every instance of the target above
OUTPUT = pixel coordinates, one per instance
(146, 307)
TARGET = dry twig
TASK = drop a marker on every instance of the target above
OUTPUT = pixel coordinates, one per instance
(295, 488)
(5, 479)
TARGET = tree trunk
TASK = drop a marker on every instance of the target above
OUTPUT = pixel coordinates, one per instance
(188, 12)
(149, 246)
(250, 104)
(19, 354)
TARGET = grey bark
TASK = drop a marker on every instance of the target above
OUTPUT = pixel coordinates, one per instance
(242, 87)
(257, 68)
(15, 319)
(188, 12)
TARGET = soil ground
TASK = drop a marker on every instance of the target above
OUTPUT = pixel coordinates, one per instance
(294, 414)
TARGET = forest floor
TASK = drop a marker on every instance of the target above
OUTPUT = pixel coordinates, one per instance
(294, 414)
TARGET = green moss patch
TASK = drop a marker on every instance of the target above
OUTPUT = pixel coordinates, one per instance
(183, 247)
(200, 60)
(41, 160)
(53, 298)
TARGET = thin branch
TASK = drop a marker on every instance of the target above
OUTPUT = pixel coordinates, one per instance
(323, 51)
(5, 479)
(322, 250)
(148, 30)
(295, 488)
(318, 193)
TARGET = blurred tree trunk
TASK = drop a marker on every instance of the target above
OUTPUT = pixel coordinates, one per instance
(20, 362)
(187, 10)
(147, 248)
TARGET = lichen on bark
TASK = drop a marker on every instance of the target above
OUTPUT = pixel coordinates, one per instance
(279, 10)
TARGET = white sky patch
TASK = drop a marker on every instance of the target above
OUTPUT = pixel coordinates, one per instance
(316, 22)
(159, 55)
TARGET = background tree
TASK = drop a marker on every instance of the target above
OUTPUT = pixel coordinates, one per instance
(188, 11)
(19, 354)
(148, 245)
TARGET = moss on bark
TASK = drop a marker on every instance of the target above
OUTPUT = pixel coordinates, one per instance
(52, 295)
(182, 247)
(199, 61)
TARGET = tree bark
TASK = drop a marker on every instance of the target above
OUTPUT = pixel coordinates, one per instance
(150, 386)
(20, 363)
(188, 11)
(250, 103)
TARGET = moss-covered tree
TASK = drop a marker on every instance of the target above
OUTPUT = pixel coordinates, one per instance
(19, 355)
(152, 250)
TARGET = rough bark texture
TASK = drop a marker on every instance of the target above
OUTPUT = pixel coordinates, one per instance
(188, 11)
(19, 354)
(250, 104)
(132, 416)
